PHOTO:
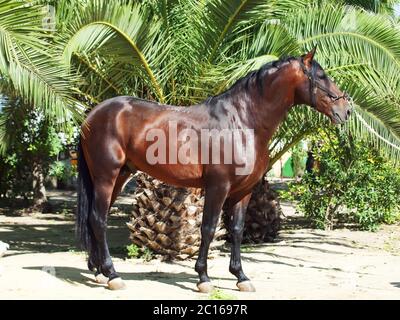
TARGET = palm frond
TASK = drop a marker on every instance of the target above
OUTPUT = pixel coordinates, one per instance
(25, 59)
(124, 33)
(360, 51)
(370, 128)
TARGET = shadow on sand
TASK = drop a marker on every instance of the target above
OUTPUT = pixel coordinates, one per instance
(80, 276)
(59, 237)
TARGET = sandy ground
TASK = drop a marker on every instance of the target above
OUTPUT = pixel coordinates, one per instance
(303, 264)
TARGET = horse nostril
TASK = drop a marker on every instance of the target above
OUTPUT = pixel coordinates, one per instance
(348, 113)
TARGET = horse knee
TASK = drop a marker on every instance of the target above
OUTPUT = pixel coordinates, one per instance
(237, 230)
(236, 236)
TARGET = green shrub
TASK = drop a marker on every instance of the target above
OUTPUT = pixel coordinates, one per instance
(354, 184)
(62, 170)
(32, 146)
(298, 156)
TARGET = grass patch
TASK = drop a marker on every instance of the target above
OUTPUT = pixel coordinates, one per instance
(247, 248)
(134, 252)
(218, 294)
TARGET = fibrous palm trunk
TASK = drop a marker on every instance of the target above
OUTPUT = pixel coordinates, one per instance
(263, 216)
(167, 219)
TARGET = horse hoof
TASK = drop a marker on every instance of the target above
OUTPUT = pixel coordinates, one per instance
(101, 279)
(205, 287)
(246, 286)
(116, 284)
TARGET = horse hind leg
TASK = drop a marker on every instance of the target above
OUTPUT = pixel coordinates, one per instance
(124, 176)
(98, 221)
(94, 262)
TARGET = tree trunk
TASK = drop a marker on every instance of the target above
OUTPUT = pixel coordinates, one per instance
(263, 216)
(39, 190)
(167, 219)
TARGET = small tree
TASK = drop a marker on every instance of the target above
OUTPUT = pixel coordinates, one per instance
(30, 145)
(353, 183)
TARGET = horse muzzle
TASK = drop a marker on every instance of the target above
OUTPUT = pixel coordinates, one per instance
(341, 115)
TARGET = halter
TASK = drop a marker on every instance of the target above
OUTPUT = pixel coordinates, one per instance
(315, 84)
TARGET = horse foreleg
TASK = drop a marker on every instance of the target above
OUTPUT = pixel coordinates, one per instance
(236, 225)
(214, 199)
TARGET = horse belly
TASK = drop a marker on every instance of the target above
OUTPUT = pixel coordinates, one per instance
(188, 175)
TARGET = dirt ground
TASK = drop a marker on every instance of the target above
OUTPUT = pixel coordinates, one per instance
(43, 263)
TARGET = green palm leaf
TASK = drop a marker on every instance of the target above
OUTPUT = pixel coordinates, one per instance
(27, 63)
(124, 33)
(360, 51)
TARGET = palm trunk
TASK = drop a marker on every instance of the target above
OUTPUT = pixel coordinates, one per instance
(263, 216)
(167, 220)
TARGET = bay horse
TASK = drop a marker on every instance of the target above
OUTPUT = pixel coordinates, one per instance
(113, 145)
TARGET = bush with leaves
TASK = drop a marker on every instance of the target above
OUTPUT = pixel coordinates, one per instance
(32, 146)
(64, 171)
(354, 184)
(298, 156)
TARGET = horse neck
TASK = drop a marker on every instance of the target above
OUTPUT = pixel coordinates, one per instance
(270, 107)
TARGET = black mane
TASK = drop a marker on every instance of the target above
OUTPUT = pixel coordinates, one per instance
(242, 84)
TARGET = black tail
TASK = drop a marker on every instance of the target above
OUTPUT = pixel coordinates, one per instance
(85, 200)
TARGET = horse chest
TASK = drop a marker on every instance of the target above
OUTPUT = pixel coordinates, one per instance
(244, 184)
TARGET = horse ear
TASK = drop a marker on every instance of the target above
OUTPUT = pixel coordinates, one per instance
(309, 57)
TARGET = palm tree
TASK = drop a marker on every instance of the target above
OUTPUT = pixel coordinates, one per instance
(183, 51)
(386, 6)
(180, 52)
(360, 50)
